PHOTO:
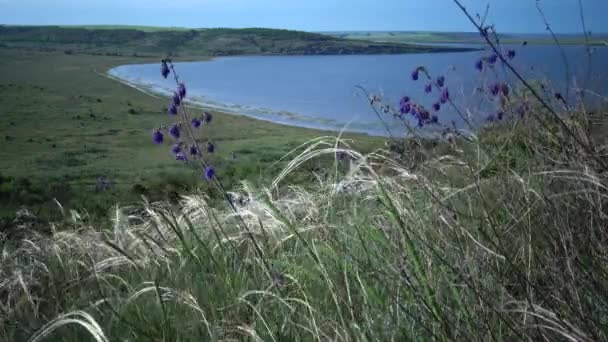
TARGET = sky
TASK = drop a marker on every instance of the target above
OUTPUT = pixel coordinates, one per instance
(509, 16)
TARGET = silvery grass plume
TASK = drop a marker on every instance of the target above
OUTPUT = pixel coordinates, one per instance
(373, 250)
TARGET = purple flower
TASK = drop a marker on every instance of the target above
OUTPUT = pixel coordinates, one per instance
(176, 99)
(479, 65)
(172, 110)
(164, 69)
(493, 58)
(428, 88)
(511, 54)
(196, 123)
(440, 81)
(495, 89)
(210, 147)
(193, 150)
(405, 108)
(434, 119)
(505, 89)
(209, 173)
(207, 117)
(157, 136)
(180, 157)
(175, 149)
(445, 96)
(404, 100)
(181, 90)
(340, 155)
(436, 106)
(415, 74)
(174, 131)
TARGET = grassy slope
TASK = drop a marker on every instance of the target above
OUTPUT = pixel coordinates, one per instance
(63, 124)
(199, 42)
(462, 37)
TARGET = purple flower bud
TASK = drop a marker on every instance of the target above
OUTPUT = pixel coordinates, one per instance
(181, 90)
(440, 81)
(415, 74)
(436, 106)
(404, 100)
(209, 173)
(174, 131)
(428, 88)
(434, 119)
(193, 150)
(176, 99)
(207, 117)
(445, 96)
(495, 89)
(196, 123)
(180, 157)
(157, 136)
(493, 58)
(210, 147)
(175, 149)
(479, 65)
(500, 115)
(511, 54)
(164, 69)
(172, 110)
(405, 108)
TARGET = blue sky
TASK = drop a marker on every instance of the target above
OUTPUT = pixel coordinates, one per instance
(311, 15)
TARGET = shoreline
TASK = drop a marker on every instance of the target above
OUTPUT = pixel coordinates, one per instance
(159, 95)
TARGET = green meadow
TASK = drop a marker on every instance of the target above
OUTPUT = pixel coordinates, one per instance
(64, 124)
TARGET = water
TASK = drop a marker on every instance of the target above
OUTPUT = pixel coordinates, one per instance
(321, 92)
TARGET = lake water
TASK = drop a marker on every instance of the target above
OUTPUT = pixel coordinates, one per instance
(321, 92)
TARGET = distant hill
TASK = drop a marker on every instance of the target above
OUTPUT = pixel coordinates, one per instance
(149, 41)
(413, 37)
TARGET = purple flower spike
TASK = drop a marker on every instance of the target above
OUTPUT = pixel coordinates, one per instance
(428, 88)
(440, 81)
(209, 173)
(479, 65)
(196, 123)
(174, 131)
(157, 136)
(207, 117)
(492, 59)
(415, 74)
(172, 110)
(164, 69)
(176, 99)
(193, 150)
(436, 106)
(180, 157)
(210, 147)
(511, 54)
(175, 149)
(445, 96)
(181, 90)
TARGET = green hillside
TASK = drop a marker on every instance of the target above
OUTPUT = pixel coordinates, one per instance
(190, 42)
